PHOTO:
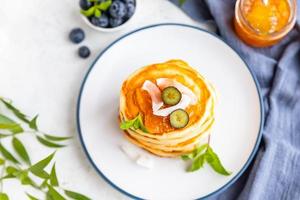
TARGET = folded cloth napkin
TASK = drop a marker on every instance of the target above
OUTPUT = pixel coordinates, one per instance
(275, 172)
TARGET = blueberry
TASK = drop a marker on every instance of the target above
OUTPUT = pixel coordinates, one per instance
(101, 21)
(129, 1)
(114, 22)
(130, 9)
(84, 52)
(117, 9)
(85, 4)
(76, 35)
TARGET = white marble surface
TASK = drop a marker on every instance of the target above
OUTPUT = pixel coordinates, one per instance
(41, 72)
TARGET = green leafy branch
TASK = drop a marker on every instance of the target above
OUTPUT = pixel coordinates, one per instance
(97, 9)
(202, 154)
(136, 123)
(19, 166)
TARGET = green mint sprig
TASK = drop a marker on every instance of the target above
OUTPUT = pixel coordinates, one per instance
(97, 9)
(18, 165)
(202, 154)
(136, 123)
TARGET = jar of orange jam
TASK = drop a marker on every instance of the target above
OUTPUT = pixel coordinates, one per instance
(262, 23)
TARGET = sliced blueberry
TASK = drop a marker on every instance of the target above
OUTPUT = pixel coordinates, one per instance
(85, 4)
(76, 35)
(114, 22)
(101, 21)
(130, 9)
(117, 9)
(84, 52)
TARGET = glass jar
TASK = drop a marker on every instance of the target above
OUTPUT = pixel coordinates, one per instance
(262, 25)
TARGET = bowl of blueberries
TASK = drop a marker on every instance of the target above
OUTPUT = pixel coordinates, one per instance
(107, 15)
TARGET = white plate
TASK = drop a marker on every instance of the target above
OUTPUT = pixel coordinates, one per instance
(236, 133)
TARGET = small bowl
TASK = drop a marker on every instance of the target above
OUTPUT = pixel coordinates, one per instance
(100, 29)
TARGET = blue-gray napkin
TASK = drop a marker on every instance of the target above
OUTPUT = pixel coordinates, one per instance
(275, 172)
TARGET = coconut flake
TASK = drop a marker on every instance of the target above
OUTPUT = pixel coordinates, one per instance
(166, 82)
(154, 93)
(145, 161)
(183, 103)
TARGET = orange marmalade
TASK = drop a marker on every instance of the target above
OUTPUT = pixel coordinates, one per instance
(263, 23)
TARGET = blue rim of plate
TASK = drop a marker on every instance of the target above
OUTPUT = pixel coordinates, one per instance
(221, 189)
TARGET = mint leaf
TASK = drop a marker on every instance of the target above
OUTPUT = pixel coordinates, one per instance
(136, 123)
(54, 194)
(187, 156)
(56, 138)
(88, 13)
(213, 160)
(76, 196)
(48, 143)
(104, 5)
(3, 196)
(199, 150)
(97, 13)
(7, 154)
(127, 124)
(53, 177)
(197, 163)
(20, 149)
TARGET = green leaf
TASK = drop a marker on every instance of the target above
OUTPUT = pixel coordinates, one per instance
(3, 196)
(2, 135)
(187, 156)
(97, 13)
(7, 154)
(9, 124)
(181, 2)
(76, 196)
(20, 149)
(104, 5)
(31, 197)
(213, 160)
(127, 124)
(56, 138)
(89, 12)
(142, 127)
(48, 143)
(2, 161)
(199, 150)
(44, 184)
(12, 170)
(136, 123)
(33, 123)
(25, 179)
(53, 177)
(7, 177)
(54, 194)
(16, 111)
(197, 163)
(38, 168)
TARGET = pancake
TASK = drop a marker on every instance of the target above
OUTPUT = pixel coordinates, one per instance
(161, 138)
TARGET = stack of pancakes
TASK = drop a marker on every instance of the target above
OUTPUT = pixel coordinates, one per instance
(162, 139)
